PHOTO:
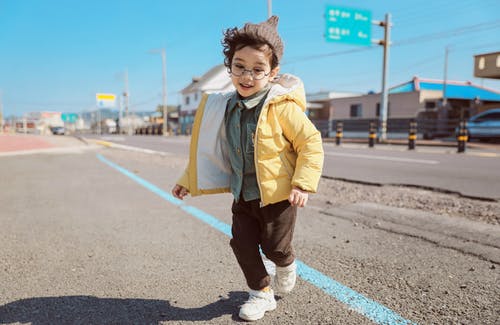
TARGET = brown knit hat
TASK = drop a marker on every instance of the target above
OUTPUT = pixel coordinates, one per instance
(268, 31)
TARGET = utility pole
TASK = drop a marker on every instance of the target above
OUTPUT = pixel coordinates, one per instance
(126, 102)
(120, 115)
(25, 124)
(1, 114)
(164, 87)
(445, 76)
(269, 8)
(384, 101)
(99, 121)
(164, 91)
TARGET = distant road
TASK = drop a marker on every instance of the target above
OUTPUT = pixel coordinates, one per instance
(475, 173)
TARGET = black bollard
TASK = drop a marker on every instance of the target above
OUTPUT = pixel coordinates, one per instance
(412, 135)
(372, 135)
(339, 135)
(462, 136)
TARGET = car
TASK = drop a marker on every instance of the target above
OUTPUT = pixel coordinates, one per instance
(58, 130)
(485, 125)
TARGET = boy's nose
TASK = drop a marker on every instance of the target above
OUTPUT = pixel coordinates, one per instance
(248, 72)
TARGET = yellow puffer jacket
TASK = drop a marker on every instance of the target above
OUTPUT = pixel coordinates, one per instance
(288, 147)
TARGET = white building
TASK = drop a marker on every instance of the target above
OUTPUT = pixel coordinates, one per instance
(216, 79)
(41, 122)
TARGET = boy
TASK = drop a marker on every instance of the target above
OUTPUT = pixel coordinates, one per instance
(257, 143)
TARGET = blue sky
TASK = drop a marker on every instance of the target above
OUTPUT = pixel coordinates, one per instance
(56, 55)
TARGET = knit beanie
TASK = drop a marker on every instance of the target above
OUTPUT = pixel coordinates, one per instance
(268, 31)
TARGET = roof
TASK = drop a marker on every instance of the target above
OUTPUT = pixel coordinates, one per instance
(323, 96)
(214, 79)
(454, 89)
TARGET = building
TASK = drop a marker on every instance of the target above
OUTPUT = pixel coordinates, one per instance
(487, 65)
(318, 107)
(217, 79)
(436, 105)
(39, 122)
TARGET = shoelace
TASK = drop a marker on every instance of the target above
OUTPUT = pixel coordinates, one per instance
(253, 299)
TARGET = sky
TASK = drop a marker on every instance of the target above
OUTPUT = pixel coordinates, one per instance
(56, 55)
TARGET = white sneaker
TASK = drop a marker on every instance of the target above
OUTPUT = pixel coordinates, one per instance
(285, 278)
(257, 304)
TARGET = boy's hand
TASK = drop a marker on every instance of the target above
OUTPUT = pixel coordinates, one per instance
(298, 197)
(179, 191)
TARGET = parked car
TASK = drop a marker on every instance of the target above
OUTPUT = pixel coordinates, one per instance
(58, 130)
(485, 125)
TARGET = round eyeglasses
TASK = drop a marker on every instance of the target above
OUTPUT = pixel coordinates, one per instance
(239, 70)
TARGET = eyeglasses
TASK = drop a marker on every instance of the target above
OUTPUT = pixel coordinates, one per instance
(239, 70)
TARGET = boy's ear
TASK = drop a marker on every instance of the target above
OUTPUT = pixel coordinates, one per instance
(274, 72)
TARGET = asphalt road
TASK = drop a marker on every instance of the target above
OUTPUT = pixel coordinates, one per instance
(473, 174)
(94, 238)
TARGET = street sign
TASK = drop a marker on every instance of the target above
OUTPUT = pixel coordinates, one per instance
(69, 117)
(105, 100)
(348, 25)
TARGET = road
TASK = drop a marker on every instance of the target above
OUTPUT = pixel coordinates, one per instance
(473, 174)
(93, 236)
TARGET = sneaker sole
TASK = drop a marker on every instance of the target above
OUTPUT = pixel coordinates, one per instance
(258, 316)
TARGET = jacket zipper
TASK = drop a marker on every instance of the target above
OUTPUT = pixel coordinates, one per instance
(264, 110)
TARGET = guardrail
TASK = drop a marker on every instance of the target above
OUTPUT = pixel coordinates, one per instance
(404, 128)
(426, 128)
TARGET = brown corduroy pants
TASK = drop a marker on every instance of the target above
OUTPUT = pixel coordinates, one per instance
(270, 228)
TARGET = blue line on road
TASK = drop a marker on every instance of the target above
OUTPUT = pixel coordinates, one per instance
(356, 301)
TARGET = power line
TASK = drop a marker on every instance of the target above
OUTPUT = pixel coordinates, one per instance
(320, 56)
(422, 38)
(433, 11)
(461, 30)
(476, 46)
(147, 101)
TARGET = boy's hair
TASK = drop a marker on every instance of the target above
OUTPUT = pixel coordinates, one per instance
(256, 36)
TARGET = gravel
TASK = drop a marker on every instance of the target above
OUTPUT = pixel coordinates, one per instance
(344, 192)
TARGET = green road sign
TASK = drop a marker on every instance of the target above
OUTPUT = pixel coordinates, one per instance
(69, 117)
(348, 25)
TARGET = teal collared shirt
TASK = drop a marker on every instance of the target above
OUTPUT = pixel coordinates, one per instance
(241, 123)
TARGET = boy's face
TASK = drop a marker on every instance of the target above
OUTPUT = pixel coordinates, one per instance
(251, 71)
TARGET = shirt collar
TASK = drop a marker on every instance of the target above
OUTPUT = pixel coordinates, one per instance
(248, 102)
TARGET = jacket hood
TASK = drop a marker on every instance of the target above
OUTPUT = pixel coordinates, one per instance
(288, 87)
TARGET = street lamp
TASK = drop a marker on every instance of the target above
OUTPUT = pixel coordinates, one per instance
(164, 88)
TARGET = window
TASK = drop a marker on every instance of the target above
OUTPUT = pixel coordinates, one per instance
(377, 109)
(195, 96)
(430, 105)
(356, 110)
(187, 100)
(493, 116)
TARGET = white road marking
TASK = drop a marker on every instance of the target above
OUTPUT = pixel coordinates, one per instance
(396, 159)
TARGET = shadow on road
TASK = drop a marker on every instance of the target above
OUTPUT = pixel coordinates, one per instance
(94, 310)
